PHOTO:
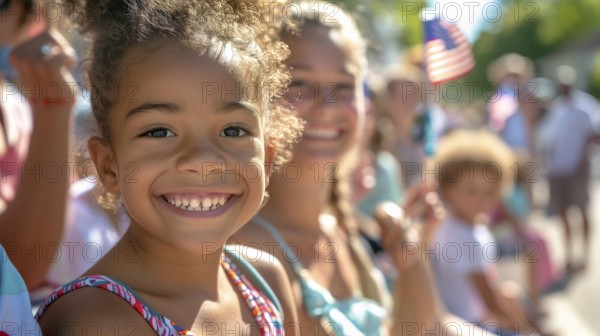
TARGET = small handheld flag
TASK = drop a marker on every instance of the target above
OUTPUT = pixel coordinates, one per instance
(448, 54)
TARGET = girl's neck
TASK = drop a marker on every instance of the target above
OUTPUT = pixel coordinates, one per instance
(296, 202)
(173, 270)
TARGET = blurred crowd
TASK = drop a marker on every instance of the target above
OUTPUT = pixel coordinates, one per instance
(464, 181)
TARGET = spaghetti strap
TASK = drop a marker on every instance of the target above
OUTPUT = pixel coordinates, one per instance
(353, 316)
(265, 314)
(252, 274)
(283, 244)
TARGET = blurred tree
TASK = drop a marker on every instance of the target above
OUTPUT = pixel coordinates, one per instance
(531, 28)
(594, 80)
(387, 23)
(535, 29)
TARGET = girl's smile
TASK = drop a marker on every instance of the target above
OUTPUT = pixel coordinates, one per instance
(198, 206)
(323, 133)
(191, 146)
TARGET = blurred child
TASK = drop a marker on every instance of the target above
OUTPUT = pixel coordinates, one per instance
(188, 156)
(473, 172)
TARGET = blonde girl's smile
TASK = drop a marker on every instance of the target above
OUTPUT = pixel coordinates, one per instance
(323, 93)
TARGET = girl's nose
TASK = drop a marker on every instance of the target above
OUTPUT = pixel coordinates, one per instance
(201, 158)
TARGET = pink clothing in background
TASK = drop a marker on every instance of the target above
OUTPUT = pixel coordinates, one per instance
(17, 126)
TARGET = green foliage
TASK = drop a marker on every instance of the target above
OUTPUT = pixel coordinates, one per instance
(406, 13)
(535, 29)
(531, 28)
(594, 81)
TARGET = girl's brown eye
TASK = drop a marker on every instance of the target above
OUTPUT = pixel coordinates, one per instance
(158, 132)
(234, 131)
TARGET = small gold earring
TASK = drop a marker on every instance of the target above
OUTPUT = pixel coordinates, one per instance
(105, 199)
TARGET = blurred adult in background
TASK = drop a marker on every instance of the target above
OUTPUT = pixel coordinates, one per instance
(418, 121)
(571, 124)
(15, 310)
(34, 137)
(511, 72)
(378, 172)
(512, 110)
(514, 115)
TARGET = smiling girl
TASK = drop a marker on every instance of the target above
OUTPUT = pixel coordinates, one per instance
(179, 91)
(338, 288)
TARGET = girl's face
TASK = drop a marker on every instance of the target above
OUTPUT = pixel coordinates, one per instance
(187, 151)
(324, 93)
(473, 195)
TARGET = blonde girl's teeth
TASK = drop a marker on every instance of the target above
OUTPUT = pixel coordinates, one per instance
(207, 202)
(177, 202)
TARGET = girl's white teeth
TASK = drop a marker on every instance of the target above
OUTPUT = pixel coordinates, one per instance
(321, 133)
(198, 204)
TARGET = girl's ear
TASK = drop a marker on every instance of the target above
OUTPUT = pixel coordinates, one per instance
(104, 159)
(269, 163)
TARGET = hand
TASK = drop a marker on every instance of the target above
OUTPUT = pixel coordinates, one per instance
(43, 64)
(400, 237)
(424, 205)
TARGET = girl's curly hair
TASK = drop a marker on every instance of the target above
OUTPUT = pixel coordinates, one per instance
(237, 34)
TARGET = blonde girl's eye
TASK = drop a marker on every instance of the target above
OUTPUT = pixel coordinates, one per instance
(234, 131)
(345, 91)
(158, 132)
(300, 90)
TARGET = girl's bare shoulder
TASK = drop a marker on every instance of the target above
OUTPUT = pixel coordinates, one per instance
(91, 308)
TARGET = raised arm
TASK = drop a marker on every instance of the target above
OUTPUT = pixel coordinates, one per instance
(32, 224)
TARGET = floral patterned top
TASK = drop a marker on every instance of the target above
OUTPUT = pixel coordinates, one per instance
(266, 315)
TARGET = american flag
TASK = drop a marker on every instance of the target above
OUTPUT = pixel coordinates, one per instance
(448, 54)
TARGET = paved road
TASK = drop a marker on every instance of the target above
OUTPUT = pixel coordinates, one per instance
(574, 310)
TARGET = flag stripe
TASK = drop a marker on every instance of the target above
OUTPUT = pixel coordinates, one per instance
(448, 54)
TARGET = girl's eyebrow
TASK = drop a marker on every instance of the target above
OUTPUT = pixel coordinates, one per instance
(304, 67)
(231, 106)
(163, 107)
